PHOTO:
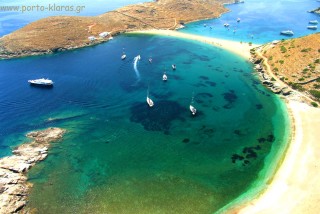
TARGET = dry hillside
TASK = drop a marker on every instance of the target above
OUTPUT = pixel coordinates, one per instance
(297, 62)
(68, 32)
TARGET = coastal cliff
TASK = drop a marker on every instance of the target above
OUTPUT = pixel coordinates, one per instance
(54, 34)
(14, 187)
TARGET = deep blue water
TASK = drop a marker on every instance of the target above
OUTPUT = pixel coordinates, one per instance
(261, 21)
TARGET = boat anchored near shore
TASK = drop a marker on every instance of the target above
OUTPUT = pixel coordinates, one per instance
(41, 82)
(287, 32)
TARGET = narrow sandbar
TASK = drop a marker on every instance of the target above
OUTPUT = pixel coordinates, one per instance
(241, 49)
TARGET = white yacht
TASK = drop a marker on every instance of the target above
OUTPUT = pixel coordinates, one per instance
(192, 108)
(287, 32)
(123, 56)
(312, 27)
(164, 77)
(149, 101)
(315, 22)
(41, 82)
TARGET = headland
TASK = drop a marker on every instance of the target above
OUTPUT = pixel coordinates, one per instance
(59, 33)
(14, 187)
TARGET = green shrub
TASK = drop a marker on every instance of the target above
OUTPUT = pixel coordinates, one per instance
(283, 49)
(301, 79)
(314, 104)
(315, 93)
(281, 61)
(306, 50)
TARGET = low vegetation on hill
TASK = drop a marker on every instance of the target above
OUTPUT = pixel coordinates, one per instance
(59, 33)
(297, 62)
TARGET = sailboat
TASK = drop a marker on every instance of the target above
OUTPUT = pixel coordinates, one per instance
(164, 77)
(149, 101)
(123, 55)
(192, 108)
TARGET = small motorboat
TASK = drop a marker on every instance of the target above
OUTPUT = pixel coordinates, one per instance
(164, 77)
(312, 27)
(226, 25)
(287, 32)
(238, 19)
(173, 67)
(41, 82)
(150, 60)
(314, 22)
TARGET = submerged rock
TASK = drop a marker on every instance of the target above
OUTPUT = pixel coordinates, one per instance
(14, 187)
(159, 117)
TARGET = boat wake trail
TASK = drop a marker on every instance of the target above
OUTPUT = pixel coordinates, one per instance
(135, 64)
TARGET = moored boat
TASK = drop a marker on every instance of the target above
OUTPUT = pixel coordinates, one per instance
(149, 101)
(150, 60)
(192, 108)
(287, 32)
(315, 22)
(226, 25)
(312, 27)
(238, 19)
(41, 82)
(173, 67)
(164, 77)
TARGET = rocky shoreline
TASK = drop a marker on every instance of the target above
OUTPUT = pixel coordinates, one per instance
(14, 187)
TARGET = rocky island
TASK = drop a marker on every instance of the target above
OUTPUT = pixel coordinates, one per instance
(54, 34)
(14, 187)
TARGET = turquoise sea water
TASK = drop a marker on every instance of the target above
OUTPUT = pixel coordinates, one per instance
(261, 21)
(119, 156)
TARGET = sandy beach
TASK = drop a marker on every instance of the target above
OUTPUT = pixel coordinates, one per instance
(241, 49)
(295, 187)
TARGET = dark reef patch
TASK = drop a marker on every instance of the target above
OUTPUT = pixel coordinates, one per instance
(210, 83)
(204, 77)
(230, 97)
(159, 117)
(186, 140)
(259, 106)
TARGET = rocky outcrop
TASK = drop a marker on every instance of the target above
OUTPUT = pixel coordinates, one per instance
(14, 187)
(317, 11)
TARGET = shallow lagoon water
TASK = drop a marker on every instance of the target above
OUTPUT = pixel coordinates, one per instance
(119, 155)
